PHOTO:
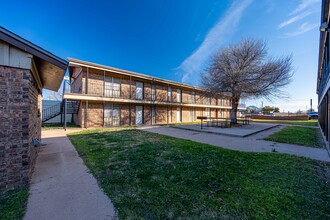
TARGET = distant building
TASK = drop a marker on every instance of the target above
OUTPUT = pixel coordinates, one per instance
(323, 76)
(107, 96)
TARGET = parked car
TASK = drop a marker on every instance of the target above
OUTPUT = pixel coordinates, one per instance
(269, 114)
(313, 115)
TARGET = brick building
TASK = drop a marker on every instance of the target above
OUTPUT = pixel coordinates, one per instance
(24, 70)
(323, 76)
(111, 97)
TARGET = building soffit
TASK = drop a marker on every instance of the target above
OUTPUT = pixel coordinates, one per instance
(50, 68)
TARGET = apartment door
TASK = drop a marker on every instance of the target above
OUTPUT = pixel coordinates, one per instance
(153, 115)
(178, 114)
(192, 115)
(139, 90)
(207, 112)
(139, 115)
(169, 115)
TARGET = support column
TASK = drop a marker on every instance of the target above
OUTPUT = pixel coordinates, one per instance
(130, 87)
(65, 111)
(86, 115)
(86, 90)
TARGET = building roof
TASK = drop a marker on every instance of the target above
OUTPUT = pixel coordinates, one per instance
(323, 36)
(76, 62)
(51, 68)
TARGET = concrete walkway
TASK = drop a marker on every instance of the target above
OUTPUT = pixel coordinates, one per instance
(62, 188)
(239, 131)
(248, 144)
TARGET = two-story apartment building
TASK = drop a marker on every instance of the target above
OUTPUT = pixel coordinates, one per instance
(323, 76)
(113, 97)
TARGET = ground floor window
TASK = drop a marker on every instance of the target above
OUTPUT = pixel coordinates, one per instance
(111, 115)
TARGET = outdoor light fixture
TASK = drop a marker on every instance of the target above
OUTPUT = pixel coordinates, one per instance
(324, 27)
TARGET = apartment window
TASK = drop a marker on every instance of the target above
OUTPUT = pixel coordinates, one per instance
(139, 90)
(178, 95)
(153, 92)
(111, 115)
(169, 94)
(192, 97)
(111, 86)
(208, 100)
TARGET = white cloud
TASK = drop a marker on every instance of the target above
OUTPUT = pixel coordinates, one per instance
(305, 8)
(295, 18)
(303, 5)
(302, 29)
(216, 37)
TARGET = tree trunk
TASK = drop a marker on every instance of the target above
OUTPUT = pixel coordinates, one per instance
(234, 107)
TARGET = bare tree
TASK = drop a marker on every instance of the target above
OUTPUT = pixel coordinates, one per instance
(246, 70)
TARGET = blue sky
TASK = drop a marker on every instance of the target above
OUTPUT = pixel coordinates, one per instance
(174, 39)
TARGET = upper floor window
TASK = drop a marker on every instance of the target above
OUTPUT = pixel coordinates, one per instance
(169, 94)
(111, 86)
(139, 90)
(208, 100)
(153, 92)
(178, 95)
(191, 97)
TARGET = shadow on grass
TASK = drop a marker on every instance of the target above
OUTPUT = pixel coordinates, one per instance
(153, 176)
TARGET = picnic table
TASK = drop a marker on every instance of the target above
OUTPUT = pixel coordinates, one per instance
(244, 120)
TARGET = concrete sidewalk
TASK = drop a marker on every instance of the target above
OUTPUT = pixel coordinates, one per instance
(239, 131)
(248, 144)
(62, 187)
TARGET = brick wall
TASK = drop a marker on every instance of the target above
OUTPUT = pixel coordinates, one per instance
(161, 115)
(20, 123)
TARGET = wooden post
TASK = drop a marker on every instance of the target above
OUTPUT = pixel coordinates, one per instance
(130, 87)
(86, 90)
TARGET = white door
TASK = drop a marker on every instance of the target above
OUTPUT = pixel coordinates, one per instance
(192, 115)
(139, 90)
(138, 115)
(178, 115)
(153, 115)
(207, 112)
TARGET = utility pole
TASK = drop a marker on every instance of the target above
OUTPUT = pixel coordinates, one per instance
(311, 105)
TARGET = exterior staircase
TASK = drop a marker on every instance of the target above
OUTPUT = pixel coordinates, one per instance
(58, 109)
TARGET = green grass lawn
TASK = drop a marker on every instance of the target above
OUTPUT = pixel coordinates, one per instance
(153, 176)
(13, 203)
(298, 135)
(296, 122)
(58, 126)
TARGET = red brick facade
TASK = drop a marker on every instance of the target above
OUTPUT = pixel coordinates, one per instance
(20, 122)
